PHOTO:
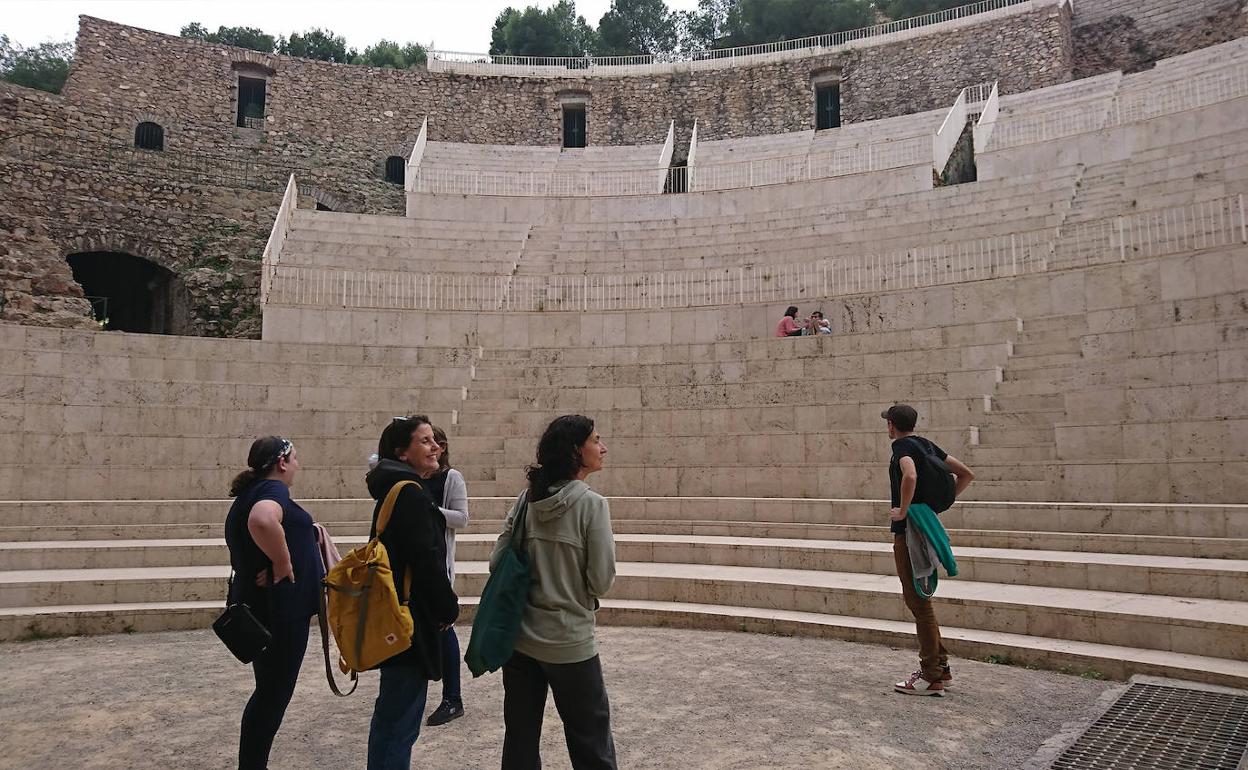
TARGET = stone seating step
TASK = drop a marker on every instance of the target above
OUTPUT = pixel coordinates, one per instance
(1206, 627)
(1058, 346)
(1112, 661)
(1153, 520)
(1192, 547)
(997, 454)
(1169, 576)
(1037, 417)
(1043, 402)
(1023, 362)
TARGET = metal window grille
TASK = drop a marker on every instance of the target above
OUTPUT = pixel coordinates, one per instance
(251, 102)
(574, 126)
(828, 107)
(149, 136)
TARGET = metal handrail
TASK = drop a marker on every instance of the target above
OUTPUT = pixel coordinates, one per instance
(580, 64)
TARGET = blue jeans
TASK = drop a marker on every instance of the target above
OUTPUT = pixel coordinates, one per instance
(397, 713)
(450, 667)
(276, 670)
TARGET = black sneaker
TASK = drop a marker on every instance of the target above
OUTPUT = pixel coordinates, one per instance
(445, 713)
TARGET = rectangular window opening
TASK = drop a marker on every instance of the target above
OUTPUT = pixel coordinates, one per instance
(250, 102)
(827, 107)
(574, 126)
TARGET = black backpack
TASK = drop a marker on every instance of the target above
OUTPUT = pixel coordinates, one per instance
(936, 487)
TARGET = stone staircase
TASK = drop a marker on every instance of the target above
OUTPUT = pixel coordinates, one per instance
(1118, 589)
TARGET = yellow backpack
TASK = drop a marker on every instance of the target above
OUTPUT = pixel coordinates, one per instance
(368, 621)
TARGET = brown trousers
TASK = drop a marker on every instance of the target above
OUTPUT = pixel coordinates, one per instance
(932, 654)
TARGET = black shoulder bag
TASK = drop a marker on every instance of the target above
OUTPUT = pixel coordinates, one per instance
(239, 629)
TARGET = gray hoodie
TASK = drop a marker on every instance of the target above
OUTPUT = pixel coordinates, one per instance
(572, 556)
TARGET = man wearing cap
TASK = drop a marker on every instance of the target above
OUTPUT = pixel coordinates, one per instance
(933, 676)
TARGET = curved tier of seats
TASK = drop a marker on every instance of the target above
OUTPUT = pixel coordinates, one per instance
(1117, 589)
(1098, 392)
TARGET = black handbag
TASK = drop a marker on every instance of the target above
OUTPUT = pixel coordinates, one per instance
(239, 629)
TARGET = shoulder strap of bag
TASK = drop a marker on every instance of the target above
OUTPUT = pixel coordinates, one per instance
(518, 526)
(322, 613)
(387, 506)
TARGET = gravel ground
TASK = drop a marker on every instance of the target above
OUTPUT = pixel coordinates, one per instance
(690, 699)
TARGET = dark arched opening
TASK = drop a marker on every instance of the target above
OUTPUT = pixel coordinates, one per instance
(132, 294)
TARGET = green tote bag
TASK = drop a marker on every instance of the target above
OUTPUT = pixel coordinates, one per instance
(502, 604)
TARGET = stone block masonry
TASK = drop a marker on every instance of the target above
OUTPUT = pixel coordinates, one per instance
(1131, 41)
(203, 207)
(1150, 16)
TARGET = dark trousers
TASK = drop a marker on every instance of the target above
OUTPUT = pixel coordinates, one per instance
(276, 670)
(450, 667)
(580, 697)
(932, 653)
(397, 713)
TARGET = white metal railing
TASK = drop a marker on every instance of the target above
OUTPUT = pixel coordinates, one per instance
(1167, 97)
(418, 154)
(1197, 226)
(979, 94)
(665, 157)
(1140, 98)
(579, 66)
(946, 138)
(693, 145)
(854, 159)
(833, 276)
(987, 118)
(539, 183)
(1205, 225)
(277, 238)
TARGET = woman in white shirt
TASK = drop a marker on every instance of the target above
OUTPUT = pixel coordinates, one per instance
(448, 489)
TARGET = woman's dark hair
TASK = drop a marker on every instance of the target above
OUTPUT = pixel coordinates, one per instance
(558, 453)
(264, 454)
(444, 459)
(792, 311)
(398, 436)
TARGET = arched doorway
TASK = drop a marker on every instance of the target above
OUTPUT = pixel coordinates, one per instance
(131, 294)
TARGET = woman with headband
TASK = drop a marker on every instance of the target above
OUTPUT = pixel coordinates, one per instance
(277, 574)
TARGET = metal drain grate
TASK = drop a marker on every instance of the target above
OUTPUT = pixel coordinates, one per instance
(1164, 728)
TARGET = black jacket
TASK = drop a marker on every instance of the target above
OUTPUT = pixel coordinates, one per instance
(415, 540)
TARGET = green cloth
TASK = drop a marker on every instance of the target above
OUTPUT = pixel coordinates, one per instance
(927, 523)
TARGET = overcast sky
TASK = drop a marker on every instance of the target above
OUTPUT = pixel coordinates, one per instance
(456, 25)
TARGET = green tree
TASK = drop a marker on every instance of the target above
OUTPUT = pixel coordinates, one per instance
(386, 53)
(634, 27)
(904, 9)
(45, 66)
(769, 21)
(317, 43)
(555, 31)
(706, 27)
(242, 37)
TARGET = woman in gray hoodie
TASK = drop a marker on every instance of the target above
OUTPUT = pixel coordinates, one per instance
(572, 556)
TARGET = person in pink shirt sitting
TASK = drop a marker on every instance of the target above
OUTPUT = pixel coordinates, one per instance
(788, 326)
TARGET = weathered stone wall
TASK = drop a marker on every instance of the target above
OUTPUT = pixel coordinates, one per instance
(204, 206)
(928, 72)
(1150, 15)
(1122, 42)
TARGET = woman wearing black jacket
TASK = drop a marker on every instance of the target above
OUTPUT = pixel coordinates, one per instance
(415, 540)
